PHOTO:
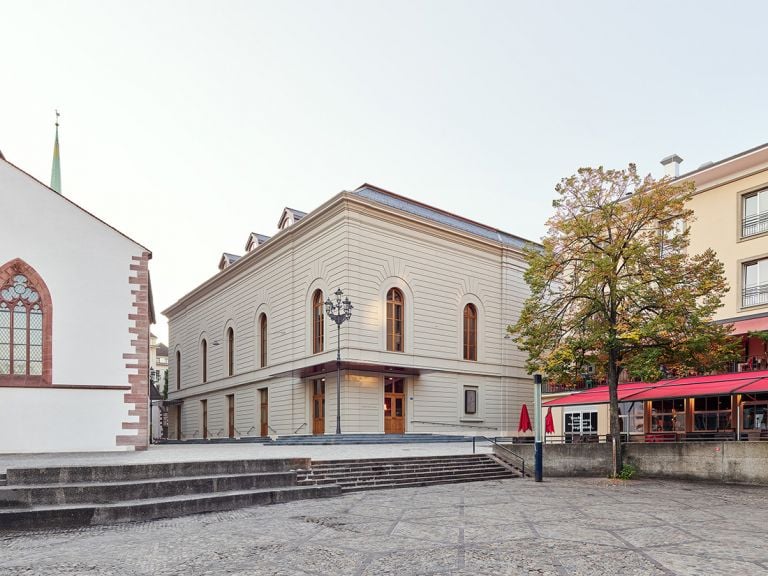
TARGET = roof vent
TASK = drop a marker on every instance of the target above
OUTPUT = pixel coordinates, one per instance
(671, 165)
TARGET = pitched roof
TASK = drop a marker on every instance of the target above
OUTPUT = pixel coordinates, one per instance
(227, 259)
(393, 200)
(162, 350)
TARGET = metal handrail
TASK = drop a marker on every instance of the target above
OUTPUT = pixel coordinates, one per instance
(300, 427)
(754, 224)
(504, 448)
(270, 427)
(454, 425)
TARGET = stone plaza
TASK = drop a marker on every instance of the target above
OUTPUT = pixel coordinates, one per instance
(557, 527)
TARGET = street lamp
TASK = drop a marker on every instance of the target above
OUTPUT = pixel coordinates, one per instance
(339, 311)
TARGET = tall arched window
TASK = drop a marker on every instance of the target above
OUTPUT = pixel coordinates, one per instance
(25, 325)
(204, 356)
(318, 324)
(395, 320)
(263, 334)
(178, 369)
(470, 332)
(231, 352)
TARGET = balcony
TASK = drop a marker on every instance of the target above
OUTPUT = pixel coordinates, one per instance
(754, 224)
(581, 384)
(754, 295)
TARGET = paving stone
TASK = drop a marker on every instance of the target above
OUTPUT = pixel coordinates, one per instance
(563, 526)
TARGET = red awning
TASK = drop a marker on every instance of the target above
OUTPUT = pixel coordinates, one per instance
(599, 394)
(750, 325)
(753, 387)
(711, 385)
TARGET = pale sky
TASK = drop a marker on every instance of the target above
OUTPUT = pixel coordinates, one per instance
(187, 125)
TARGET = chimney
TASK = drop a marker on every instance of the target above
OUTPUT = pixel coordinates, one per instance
(671, 165)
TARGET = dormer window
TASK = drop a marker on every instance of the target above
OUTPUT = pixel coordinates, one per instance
(290, 217)
(254, 241)
(227, 260)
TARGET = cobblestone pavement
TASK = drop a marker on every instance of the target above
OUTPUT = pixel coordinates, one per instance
(558, 527)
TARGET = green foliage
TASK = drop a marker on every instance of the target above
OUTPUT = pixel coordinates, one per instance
(613, 285)
(165, 385)
(627, 472)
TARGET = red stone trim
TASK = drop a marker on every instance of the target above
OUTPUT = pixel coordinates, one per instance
(7, 271)
(138, 357)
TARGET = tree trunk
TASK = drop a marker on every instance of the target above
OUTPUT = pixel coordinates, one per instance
(613, 393)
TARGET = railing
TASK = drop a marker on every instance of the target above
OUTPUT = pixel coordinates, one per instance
(299, 428)
(552, 388)
(273, 430)
(455, 425)
(754, 224)
(754, 295)
(506, 450)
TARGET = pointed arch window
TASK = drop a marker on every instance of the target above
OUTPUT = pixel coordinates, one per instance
(231, 352)
(395, 320)
(263, 337)
(318, 322)
(25, 326)
(470, 332)
(204, 356)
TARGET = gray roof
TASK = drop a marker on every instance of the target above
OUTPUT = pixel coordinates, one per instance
(297, 214)
(162, 350)
(436, 215)
(231, 258)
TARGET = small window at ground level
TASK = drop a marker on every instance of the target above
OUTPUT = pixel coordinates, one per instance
(470, 400)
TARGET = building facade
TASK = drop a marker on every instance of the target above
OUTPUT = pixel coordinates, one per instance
(253, 353)
(730, 216)
(75, 310)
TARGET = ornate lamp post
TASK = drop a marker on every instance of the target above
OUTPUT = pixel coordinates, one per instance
(339, 311)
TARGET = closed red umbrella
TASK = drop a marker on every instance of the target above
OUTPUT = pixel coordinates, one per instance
(549, 422)
(525, 420)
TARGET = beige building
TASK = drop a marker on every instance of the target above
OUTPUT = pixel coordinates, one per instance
(730, 209)
(252, 351)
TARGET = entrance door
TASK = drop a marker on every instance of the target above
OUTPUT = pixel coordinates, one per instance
(231, 403)
(264, 411)
(394, 406)
(318, 406)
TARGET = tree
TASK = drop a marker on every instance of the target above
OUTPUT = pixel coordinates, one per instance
(613, 287)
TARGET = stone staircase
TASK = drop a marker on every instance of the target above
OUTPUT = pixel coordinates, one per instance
(36, 498)
(373, 474)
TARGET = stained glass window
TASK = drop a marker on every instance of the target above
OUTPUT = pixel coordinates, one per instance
(21, 329)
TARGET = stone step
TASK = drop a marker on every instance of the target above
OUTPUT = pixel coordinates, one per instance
(128, 472)
(38, 517)
(109, 492)
(365, 473)
(391, 461)
(415, 483)
(332, 439)
(421, 474)
(3, 479)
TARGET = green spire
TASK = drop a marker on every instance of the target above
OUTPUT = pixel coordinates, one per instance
(56, 169)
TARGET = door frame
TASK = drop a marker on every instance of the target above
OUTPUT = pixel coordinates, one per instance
(311, 406)
(406, 408)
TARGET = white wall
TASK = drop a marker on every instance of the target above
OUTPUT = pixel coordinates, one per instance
(85, 264)
(60, 419)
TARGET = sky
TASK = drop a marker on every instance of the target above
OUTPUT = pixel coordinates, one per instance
(188, 125)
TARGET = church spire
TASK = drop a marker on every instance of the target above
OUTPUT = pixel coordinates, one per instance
(56, 168)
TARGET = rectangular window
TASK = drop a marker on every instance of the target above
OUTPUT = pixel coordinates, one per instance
(755, 283)
(712, 414)
(668, 415)
(670, 231)
(754, 213)
(580, 424)
(470, 400)
(632, 417)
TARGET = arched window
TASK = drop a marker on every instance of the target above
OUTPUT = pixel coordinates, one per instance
(204, 356)
(318, 324)
(263, 334)
(231, 352)
(178, 370)
(470, 332)
(395, 320)
(25, 325)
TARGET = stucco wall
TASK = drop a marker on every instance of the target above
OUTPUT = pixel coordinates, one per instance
(60, 420)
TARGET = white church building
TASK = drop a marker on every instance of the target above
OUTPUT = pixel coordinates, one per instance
(75, 310)
(252, 351)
